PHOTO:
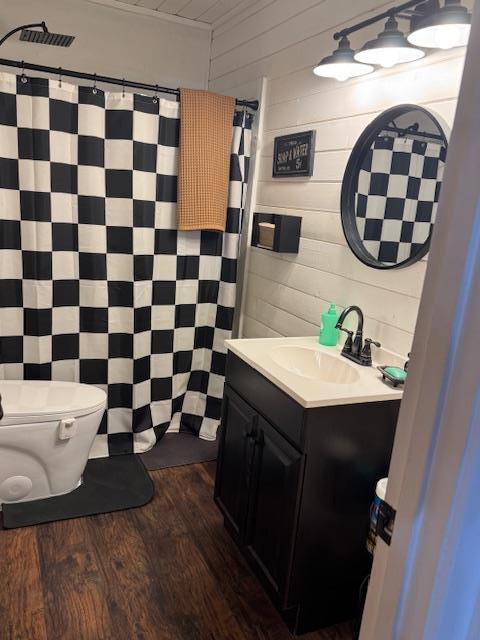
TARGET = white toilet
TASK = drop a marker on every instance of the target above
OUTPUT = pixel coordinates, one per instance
(46, 434)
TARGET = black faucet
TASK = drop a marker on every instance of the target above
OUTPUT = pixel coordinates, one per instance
(354, 348)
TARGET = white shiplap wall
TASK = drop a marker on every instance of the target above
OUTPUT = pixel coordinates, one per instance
(282, 40)
(111, 39)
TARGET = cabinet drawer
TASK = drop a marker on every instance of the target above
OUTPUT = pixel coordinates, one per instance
(278, 408)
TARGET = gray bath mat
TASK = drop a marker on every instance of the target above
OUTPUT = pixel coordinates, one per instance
(178, 449)
(109, 484)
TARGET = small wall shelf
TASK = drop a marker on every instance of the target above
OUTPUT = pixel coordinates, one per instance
(275, 232)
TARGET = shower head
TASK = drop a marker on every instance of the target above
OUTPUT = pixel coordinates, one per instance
(46, 37)
(30, 34)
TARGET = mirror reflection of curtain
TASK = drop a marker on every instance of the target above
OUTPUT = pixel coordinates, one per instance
(397, 196)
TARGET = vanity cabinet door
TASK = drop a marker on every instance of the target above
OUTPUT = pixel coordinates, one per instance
(275, 494)
(235, 460)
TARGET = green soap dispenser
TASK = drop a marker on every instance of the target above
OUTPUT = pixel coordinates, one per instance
(328, 333)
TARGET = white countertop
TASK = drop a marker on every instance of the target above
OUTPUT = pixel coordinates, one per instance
(263, 355)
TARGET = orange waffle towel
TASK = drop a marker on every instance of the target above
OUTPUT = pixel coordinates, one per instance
(206, 125)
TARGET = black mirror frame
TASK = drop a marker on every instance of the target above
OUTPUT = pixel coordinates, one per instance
(350, 181)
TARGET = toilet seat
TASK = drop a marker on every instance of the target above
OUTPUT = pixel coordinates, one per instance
(29, 401)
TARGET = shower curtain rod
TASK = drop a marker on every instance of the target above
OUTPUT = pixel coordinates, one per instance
(251, 104)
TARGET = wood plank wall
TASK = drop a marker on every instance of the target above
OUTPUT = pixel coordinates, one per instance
(282, 40)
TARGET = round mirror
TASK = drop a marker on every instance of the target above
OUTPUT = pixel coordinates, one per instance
(391, 187)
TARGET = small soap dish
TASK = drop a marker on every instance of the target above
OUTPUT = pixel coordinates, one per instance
(395, 375)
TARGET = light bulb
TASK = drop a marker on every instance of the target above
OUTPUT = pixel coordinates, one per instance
(389, 48)
(389, 58)
(342, 71)
(444, 36)
(342, 76)
(448, 37)
(341, 65)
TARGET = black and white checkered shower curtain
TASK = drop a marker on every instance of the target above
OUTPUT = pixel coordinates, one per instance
(96, 284)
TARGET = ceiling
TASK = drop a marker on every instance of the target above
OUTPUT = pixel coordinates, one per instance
(208, 11)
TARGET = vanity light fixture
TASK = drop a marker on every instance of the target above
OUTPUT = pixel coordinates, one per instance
(342, 65)
(445, 28)
(389, 48)
(431, 26)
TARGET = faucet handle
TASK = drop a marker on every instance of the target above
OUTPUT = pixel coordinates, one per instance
(366, 356)
(347, 347)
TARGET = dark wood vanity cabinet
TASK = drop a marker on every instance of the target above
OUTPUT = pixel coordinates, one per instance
(295, 487)
(258, 477)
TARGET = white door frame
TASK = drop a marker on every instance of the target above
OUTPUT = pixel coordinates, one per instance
(426, 585)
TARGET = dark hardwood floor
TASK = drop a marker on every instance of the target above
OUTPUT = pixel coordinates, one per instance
(166, 571)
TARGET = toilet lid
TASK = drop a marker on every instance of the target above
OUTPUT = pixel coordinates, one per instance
(42, 400)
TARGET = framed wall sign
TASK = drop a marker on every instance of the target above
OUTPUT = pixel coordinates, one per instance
(293, 155)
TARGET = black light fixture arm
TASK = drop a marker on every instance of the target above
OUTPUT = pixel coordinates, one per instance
(393, 11)
(21, 28)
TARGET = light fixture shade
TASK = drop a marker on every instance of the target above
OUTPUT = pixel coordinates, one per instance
(446, 28)
(389, 48)
(341, 65)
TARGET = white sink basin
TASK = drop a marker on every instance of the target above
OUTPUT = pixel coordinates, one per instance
(314, 364)
(314, 375)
